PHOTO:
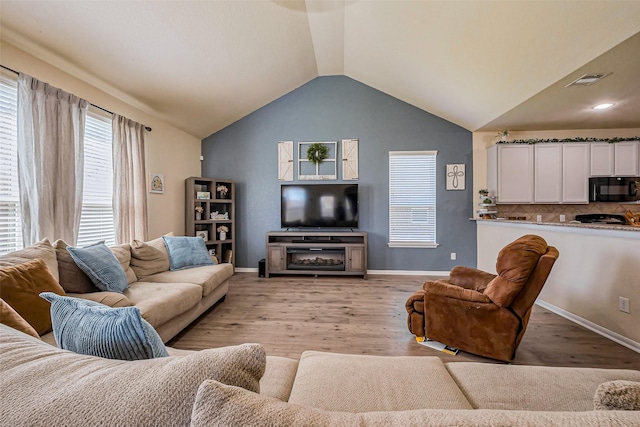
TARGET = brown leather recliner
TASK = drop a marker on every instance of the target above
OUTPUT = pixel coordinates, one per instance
(482, 313)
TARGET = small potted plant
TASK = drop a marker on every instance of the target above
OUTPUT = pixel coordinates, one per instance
(199, 211)
(222, 231)
(222, 191)
(503, 135)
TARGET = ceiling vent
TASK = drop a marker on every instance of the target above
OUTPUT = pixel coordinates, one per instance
(588, 80)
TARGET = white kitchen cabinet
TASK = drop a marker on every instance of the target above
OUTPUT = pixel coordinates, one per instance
(515, 173)
(602, 159)
(575, 173)
(547, 187)
(617, 159)
(625, 159)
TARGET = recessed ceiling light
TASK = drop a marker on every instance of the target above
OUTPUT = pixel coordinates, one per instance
(603, 106)
(588, 79)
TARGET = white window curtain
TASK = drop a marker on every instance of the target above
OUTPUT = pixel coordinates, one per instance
(129, 180)
(51, 126)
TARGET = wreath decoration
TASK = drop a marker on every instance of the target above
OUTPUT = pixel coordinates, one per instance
(316, 153)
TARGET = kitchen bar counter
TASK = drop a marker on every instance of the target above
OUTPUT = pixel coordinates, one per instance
(577, 226)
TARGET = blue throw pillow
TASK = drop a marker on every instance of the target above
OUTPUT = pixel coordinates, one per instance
(94, 329)
(101, 265)
(186, 252)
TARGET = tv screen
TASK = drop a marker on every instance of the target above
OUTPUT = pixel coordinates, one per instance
(319, 205)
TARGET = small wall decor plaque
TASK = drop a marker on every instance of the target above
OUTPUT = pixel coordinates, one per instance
(203, 195)
(204, 234)
(156, 183)
(455, 176)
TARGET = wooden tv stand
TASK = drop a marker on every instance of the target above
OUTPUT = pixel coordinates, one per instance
(317, 253)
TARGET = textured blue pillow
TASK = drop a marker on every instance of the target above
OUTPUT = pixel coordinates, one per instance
(101, 265)
(186, 252)
(94, 329)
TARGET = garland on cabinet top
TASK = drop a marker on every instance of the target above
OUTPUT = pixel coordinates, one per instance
(545, 141)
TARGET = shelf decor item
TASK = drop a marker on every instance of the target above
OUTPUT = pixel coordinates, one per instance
(204, 234)
(222, 191)
(203, 195)
(222, 231)
(487, 205)
(199, 211)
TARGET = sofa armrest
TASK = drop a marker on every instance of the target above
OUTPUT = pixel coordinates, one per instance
(448, 290)
(470, 278)
(415, 302)
(112, 299)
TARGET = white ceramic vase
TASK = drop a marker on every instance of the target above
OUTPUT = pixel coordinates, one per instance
(223, 235)
(198, 216)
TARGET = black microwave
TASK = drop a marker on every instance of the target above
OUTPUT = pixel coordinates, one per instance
(614, 189)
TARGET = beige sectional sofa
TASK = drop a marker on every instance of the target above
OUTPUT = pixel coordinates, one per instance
(43, 385)
(168, 300)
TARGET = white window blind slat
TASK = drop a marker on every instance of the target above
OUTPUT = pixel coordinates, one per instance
(96, 222)
(10, 218)
(412, 198)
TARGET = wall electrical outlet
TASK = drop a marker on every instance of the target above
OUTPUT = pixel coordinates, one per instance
(623, 304)
(453, 256)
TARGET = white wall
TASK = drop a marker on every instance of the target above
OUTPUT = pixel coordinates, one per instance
(168, 150)
(594, 268)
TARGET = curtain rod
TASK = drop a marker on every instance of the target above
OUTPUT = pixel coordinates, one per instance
(147, 128)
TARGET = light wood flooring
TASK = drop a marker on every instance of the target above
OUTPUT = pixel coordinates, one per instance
(291, 314)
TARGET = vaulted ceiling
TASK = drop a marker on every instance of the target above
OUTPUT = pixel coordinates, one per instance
(484, 65)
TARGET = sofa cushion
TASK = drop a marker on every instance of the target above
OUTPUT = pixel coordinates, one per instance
(72, 279)
(9, 317)
(617, 395)
(123, 255)
(374, 383)
(91, 328)
(161, 302)
(278, 377)
(186, 252)
(218, 404)
(46, 386)
(150, 257)
(101, 265)
(43, 250)
(20, 286)
(548, 388)
(111, 299)
(208, 276)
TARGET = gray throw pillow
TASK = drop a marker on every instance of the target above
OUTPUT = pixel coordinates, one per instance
(91, 328)
(186, 252)
(101, 265)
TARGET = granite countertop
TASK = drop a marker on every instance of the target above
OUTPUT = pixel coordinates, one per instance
(566, 224)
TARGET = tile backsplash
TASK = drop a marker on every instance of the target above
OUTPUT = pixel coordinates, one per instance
(551, 213)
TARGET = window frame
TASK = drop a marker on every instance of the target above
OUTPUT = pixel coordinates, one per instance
(403, 183)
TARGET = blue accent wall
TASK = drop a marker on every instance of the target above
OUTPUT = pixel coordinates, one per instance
(331, 109)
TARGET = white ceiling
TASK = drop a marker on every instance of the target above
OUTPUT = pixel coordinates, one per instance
(484, 65)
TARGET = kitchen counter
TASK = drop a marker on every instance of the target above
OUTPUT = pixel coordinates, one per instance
(580, 226)
(598, 263)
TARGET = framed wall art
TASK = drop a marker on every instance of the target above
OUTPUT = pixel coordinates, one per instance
(456, 176)
(156, 183)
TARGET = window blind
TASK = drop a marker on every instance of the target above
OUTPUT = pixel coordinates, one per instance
(10, 218)
(96, 222)
(412, 199)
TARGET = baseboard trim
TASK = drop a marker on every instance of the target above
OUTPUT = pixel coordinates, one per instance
(388, 272)
(409, 273)
(613, 336)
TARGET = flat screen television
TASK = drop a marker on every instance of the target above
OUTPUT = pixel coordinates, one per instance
(319, 205)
